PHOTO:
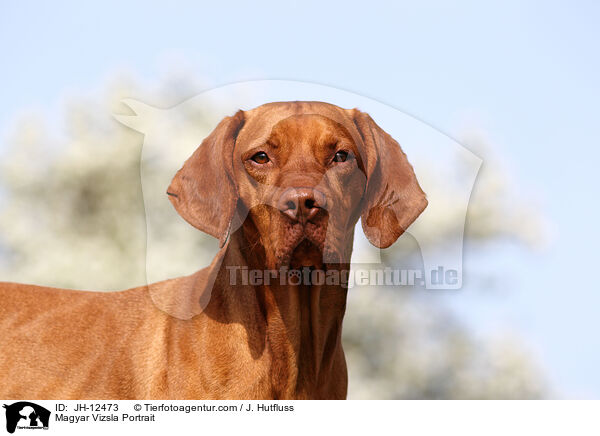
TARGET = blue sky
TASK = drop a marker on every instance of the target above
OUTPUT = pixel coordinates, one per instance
(526, 73)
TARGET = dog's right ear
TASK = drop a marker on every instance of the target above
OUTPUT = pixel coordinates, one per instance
(203, 191)
(393, 198)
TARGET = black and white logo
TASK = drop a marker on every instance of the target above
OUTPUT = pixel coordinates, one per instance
(26, 415)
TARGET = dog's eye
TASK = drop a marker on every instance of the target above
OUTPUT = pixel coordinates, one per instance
(260, 157)
(340, 156)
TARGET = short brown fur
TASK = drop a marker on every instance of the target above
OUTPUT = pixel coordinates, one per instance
(244, 342)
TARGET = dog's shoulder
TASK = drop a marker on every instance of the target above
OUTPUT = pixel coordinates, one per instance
(184, 297)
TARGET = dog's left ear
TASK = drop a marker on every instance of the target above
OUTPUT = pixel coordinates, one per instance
(203, 191)
(393, 198)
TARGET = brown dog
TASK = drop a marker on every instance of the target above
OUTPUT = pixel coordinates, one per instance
(281, 186)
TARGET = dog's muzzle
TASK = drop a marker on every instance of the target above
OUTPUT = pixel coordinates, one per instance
(302, 204)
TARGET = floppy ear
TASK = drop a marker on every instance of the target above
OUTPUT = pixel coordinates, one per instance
(393, 197)
(203, 191)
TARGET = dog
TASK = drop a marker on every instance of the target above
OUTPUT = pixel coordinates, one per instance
(281, 187)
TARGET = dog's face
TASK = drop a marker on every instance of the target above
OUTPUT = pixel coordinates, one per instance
(302, 188)
(297, 176)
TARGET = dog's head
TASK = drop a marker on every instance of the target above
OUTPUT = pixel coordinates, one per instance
(297, 176)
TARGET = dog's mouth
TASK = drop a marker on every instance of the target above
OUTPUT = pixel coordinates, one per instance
(306, 254)
(302, 244)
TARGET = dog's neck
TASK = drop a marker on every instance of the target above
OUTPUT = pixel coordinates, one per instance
(301, 323)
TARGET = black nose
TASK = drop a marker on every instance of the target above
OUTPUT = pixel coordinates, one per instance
(301, 204)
